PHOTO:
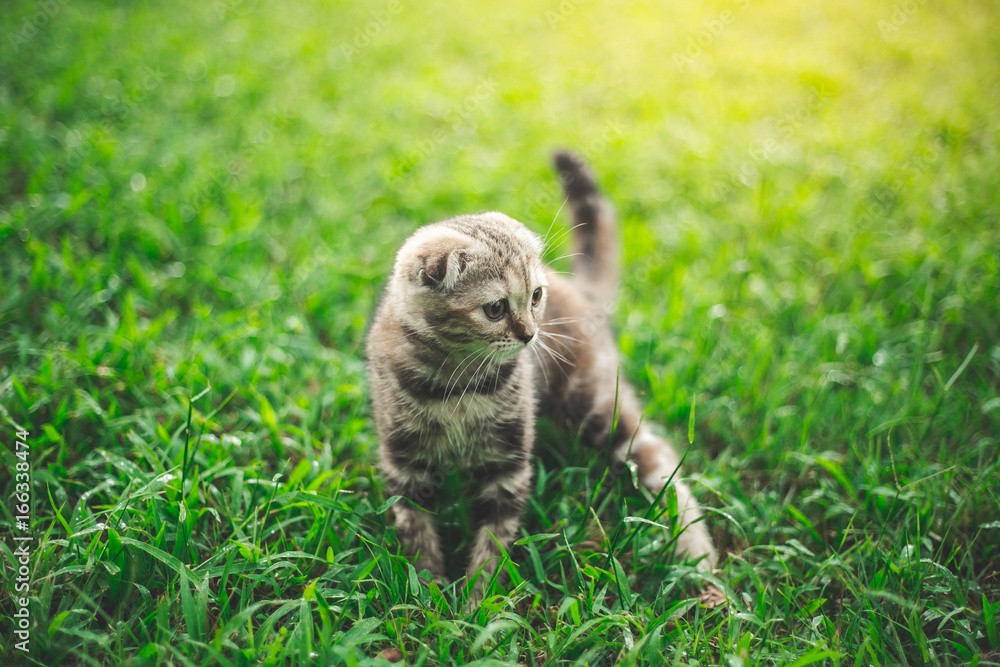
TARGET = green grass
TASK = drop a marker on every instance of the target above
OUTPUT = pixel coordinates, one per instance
(199, 204)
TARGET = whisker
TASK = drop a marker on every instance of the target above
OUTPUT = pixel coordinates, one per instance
(435, 373)
(489, 354)
(555, 335)
(561, 320)
(541, 364)
(549, 352)
(486, 357)
(554, 218)
(449, 387)
(562, 235)
(572, 254)
(496, 381)
(492, 359)
(564, 346)
(558, 355)
(555, 354)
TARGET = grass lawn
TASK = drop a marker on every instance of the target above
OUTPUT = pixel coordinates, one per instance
(200, 202)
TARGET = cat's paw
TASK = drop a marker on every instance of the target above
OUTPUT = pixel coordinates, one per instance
(712, 597)
(694, 543)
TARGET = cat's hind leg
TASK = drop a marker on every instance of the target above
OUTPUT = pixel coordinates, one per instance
(657, 463)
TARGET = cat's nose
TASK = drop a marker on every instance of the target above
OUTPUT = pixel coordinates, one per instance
(523, 331)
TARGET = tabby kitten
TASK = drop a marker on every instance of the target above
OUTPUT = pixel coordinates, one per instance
(474, 337)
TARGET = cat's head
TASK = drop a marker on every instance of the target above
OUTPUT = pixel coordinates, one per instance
(473, 282)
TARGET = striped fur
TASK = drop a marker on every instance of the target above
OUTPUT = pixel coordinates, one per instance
(454, 388)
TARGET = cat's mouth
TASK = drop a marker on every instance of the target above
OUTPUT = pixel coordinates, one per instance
(510, 350)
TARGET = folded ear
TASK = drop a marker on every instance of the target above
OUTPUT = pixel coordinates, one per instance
(440, 265)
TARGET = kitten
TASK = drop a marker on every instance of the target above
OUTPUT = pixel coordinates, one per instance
(474, 337)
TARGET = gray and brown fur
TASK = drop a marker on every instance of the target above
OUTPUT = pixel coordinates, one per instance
(453, 389)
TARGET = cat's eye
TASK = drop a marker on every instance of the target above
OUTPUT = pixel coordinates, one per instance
(495, 310)
(536, 296)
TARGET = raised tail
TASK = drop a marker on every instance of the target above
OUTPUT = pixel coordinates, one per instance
(595, 239)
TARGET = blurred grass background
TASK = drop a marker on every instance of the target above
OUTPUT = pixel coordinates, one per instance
(203, 200)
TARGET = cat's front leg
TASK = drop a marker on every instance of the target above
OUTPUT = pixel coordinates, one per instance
(414, 522)
(501, 490)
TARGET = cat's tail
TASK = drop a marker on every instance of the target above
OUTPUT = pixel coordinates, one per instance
(595, 239)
